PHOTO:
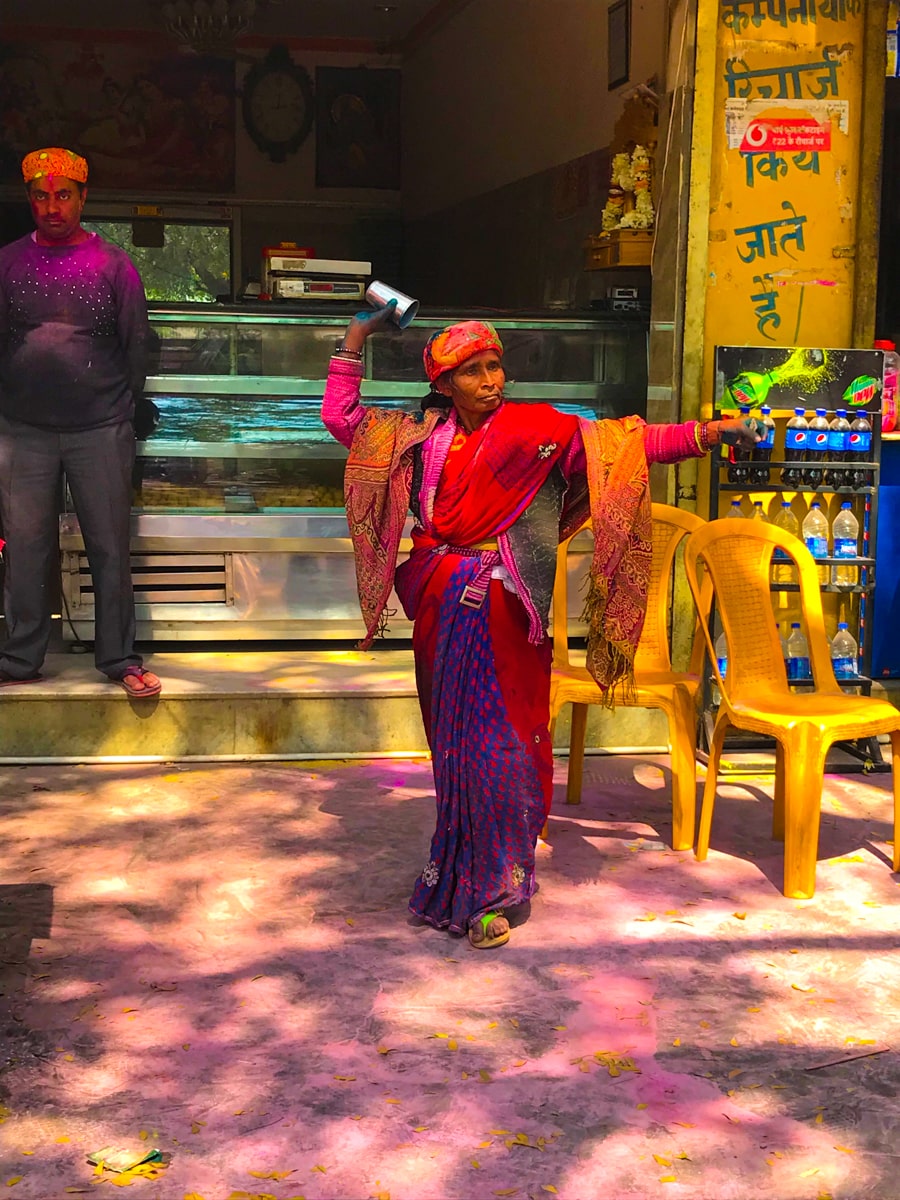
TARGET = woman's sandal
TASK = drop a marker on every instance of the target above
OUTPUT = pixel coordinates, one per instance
(133, 682)
(488, 943)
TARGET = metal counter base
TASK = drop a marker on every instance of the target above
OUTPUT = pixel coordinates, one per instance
(265, 576)
(231, 577)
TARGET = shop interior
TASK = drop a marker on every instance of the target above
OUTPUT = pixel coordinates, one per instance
(261, 162)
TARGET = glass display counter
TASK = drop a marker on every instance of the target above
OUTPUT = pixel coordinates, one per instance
(238, 525)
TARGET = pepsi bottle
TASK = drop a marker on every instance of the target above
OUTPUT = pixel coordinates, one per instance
(816, 447)
(795, 447)
(739, 458)
(762, 451)
(838, 448)
(860, 450)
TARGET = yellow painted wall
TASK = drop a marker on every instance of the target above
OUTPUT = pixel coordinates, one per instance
(781, 239)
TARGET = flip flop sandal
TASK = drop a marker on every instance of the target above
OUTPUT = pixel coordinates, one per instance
(487, 943)
(7, 680)
(138, 693)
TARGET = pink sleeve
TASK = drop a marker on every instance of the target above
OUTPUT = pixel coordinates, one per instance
(341, 409)
(662, 443)
(671, 443)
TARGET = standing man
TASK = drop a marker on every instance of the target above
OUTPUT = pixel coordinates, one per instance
(73, 348)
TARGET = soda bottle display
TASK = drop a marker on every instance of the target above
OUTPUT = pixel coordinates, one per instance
(815, 534)
(795, 447)
(739, 458)
(838, 448)
(762, 451)
(889, 386)
(736, 510)
(844, 653)
(816, 447)
(797, 654)
(783, 569)
(845, 542)
(758, 513)
(860, 448)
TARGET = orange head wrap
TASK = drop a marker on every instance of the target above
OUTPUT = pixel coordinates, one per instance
(54, 161)
(448, 348)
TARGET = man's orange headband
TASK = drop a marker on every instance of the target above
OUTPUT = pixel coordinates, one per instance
(54, 161)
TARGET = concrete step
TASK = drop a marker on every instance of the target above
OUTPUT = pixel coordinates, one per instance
(220, 705)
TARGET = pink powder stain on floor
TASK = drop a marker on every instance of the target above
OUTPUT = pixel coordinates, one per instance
(221, 958)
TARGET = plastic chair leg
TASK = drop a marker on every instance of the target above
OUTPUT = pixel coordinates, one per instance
(576, 753)
(709, 790)
(683, 739)
(895, 763)
(804, 774)
(778, 806)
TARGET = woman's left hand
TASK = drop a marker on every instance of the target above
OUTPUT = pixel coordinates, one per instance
(739, 431)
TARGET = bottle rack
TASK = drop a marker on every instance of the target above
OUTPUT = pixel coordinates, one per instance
(865, 753)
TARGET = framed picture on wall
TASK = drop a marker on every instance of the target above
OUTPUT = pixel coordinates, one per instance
(357, 127)
(618, 43)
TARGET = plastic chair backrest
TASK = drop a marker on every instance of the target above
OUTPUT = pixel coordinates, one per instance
(737, 556)
(670, 526)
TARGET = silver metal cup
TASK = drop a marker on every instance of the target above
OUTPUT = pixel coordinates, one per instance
(379, 294)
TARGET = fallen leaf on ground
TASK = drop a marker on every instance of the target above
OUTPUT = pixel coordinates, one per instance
(650, 916)
(811, 1171)
(548, 1187)
(385, 1050)
(391, 1100)
(271, 1174)
(476, 1164)
(845, 1149)
(196, 1126)
(345, 1078)
(740, 916)
(663, 1162)
(14, 1180)
(798, 988)
(485, 1076)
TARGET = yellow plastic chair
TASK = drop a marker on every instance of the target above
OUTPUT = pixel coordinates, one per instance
(657, 685)
(755, 694)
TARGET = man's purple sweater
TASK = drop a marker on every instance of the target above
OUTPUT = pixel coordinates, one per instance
(73, 334)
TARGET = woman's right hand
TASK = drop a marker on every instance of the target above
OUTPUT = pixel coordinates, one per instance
(364, 324)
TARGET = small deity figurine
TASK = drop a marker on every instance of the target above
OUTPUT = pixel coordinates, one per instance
(614, 209)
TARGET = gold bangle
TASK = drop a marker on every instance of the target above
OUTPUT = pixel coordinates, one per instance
(698, 437)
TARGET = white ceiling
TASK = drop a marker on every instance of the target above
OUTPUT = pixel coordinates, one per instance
(388, 22)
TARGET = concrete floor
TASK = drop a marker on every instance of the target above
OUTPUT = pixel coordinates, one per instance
(217, 961)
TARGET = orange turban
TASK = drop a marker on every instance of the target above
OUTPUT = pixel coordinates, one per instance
(54, 161)
(446, 349)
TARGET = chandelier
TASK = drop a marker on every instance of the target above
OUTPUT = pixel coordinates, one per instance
(208, 26)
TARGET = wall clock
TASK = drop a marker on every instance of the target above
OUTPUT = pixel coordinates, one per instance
(277, 103)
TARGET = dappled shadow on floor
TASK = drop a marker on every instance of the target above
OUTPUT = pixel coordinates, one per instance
(231, 976)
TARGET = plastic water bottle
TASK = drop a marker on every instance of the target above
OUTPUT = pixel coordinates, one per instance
(815, 534)
(844, 652)
(838, 448)
(890, 385)
(722, 654)
(762, 451)
(739, 457)
(736, 510)
(816, 447)
(845, 542)
(860, 450)
(797, 654)
(783, 641)
(795, 447)
(783, 569)
(759, 513)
